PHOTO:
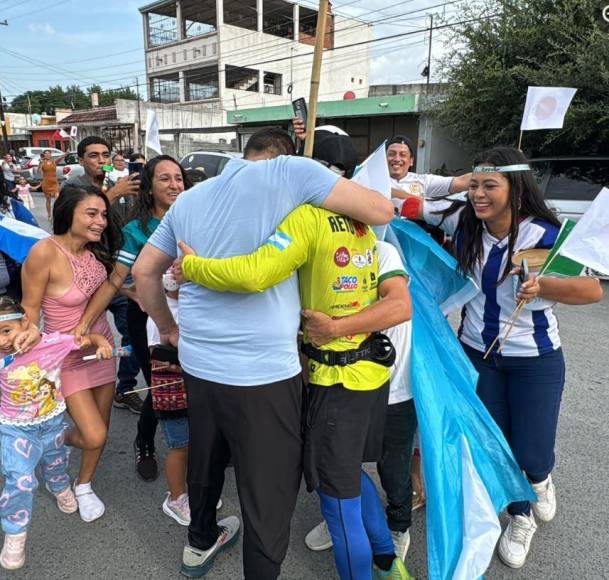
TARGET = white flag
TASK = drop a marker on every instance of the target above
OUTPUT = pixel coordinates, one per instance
(63, 134)
(73, 131)
(588, 242)
(374, 174)
(546, 107)
(153, 140)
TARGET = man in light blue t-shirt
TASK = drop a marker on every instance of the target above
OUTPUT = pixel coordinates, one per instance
(239, 352)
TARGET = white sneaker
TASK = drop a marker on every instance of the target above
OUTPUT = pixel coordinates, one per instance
(401, 541)
(196, 563)
(90, 506)
(177, 509)
(545, 506)
(12, 556)
(516, 540)
(319, 539)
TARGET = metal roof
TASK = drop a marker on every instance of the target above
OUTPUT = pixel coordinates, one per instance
(366, 107)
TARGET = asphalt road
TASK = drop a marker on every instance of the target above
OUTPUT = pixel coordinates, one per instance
(135, 540)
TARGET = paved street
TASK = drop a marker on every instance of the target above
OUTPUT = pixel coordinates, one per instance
(134, 540)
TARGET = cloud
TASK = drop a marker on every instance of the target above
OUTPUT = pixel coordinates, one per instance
(42, 29)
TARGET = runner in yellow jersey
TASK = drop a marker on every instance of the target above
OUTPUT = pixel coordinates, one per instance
(337, 267)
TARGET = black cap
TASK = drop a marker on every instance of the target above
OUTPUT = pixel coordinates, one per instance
(402, 140)
(335, 149)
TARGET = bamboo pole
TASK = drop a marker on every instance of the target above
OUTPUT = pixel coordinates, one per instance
(320, 37)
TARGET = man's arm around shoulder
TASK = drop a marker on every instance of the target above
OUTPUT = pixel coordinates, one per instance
(360, 203)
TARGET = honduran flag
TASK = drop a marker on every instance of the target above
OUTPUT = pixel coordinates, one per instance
(17, 238)
(470, 472)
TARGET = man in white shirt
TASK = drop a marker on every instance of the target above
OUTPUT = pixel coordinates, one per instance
(400, 158)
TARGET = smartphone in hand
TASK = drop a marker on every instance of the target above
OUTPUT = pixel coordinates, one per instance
(136, 167)
(300, 109)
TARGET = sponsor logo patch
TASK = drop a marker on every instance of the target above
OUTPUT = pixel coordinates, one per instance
(345, 284)
(359, 261)
(342, 257)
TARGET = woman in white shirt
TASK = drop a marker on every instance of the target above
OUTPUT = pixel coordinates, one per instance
(522, 385)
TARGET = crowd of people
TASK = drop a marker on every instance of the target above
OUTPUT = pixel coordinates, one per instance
(234, 294)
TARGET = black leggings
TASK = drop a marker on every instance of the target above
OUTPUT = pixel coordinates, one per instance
(136, 323)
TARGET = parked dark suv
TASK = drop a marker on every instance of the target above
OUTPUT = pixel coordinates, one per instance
(570, 184)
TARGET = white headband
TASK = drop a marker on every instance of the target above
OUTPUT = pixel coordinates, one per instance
(503, 169)
(11, 316)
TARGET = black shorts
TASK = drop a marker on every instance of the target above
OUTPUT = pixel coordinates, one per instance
(343, 429)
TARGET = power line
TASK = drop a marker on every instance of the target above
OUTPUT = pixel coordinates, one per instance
(361, 43)
(29, 14)
(259, 46)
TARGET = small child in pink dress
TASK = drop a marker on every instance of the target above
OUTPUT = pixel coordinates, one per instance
(24, 192)
(31, 425)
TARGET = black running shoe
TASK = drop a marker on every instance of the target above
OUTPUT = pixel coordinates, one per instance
(145, 461)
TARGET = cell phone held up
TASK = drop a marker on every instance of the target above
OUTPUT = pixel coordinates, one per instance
(300, 109)
(136, 167)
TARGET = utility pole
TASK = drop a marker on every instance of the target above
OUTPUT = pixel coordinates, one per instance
(139, 120)
(429, 53)
(2, 120)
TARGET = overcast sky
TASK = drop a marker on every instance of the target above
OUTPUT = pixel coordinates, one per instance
(85, 42)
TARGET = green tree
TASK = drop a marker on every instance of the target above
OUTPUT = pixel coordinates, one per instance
(514, 44)
(72, 97)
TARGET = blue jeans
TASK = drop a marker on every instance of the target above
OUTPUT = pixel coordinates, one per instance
(523, 396)
(128, 367)
(175, 432)
(22, 449)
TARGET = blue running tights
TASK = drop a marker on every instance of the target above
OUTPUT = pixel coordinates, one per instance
(359, 529)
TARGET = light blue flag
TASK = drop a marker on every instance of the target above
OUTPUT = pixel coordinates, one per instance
(374, 174)
(17, 238)
(470, 472)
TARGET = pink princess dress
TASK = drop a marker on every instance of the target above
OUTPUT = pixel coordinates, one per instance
(25, 196)
(62, 314)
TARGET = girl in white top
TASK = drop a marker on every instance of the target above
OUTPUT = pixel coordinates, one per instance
(522, 386)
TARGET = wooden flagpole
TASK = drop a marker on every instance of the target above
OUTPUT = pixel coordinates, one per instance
(520, 141)
(322, 19)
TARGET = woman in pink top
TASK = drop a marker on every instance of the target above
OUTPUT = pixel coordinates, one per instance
(59, 276)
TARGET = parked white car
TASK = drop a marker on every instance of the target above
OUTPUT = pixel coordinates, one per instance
(212, 162)
(38, 151)
(68, 166)
(570, 184)
(29, 165)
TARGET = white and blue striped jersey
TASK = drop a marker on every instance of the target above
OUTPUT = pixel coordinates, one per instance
(487, 315)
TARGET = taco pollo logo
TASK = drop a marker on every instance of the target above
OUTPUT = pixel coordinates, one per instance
(345, 284)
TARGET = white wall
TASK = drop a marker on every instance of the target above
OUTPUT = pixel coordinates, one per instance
(440, 151)
(176, 116)
(191, 53)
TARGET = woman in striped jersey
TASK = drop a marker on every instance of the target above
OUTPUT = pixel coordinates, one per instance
(522, 385)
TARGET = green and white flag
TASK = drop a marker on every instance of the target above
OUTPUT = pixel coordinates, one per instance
(557, 265)
(585, 243)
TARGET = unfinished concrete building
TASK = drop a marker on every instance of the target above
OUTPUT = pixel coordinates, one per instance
(248, 53)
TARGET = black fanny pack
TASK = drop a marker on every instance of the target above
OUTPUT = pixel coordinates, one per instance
(376, 348)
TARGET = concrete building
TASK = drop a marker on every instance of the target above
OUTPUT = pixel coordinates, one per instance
(371, 120)
(247, 53)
